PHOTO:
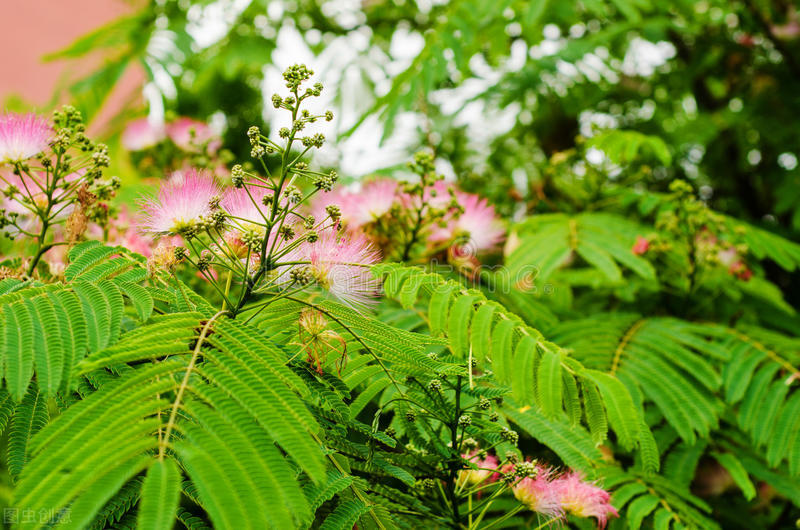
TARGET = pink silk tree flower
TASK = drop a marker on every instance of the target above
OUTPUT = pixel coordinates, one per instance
(359, 208)
(339, 197)
(181, 202)
(540, 493)
(141, 133)
(476, 228)
(640, 246)
(23, 136)
(341, 265)
(373, 201)
(189, 135)
(584, 499)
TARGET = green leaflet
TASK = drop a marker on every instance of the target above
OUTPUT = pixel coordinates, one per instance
(30, 416)
(549, 383)
(622, 413)
(48, 348)
(438, 309)
(481, 329)
(119, 506)
(170, 335)
(260, 491)
(523, 371)
(458, 325)
(110, 430)
(159, 496)
(18, 362)
(502, 350)
(336, 483)
(73, 332)
(345, 516)
(640, 508)
(595, 413)
(738, 473)
(600, 259)
(140, 297)
(573, 445)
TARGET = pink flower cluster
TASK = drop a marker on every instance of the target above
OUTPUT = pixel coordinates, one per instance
(477, 223)
(337, 263)
(359, 208)
(545, 491)
(186, 133)
(641, 246)
(23, 136)
(183, 200)
(340, 264)
(730, 258)
(476, 227)
(724, 253)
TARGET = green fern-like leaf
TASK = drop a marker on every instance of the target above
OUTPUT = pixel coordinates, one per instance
(108, 433)
(29, 417)
(521, 358)
(119, 506)
(159, 497)
(573, 445)
(229, 448)
(345, 516)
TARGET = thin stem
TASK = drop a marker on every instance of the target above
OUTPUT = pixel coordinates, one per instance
(488, 503)
(511, 513)
(182, 388)
(454, 464)
(41, 250)
(227, 289)
(469, 510)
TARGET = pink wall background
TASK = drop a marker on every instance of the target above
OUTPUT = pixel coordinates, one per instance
(30, 29)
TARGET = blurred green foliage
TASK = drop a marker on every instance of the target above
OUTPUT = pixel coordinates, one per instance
(718, 101)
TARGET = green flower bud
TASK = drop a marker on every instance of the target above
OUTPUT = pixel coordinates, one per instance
(302, 275)
(509, 436)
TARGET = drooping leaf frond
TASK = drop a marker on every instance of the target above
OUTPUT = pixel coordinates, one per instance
(539, 372)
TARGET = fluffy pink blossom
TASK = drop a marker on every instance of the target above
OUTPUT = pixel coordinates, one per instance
(584, 499)
(22, 136)
(540, 493)
(189, 135)
(340, 265)
(142, 133)
(477, 227)
(182, 201)
(640, 246)
(359, 208)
